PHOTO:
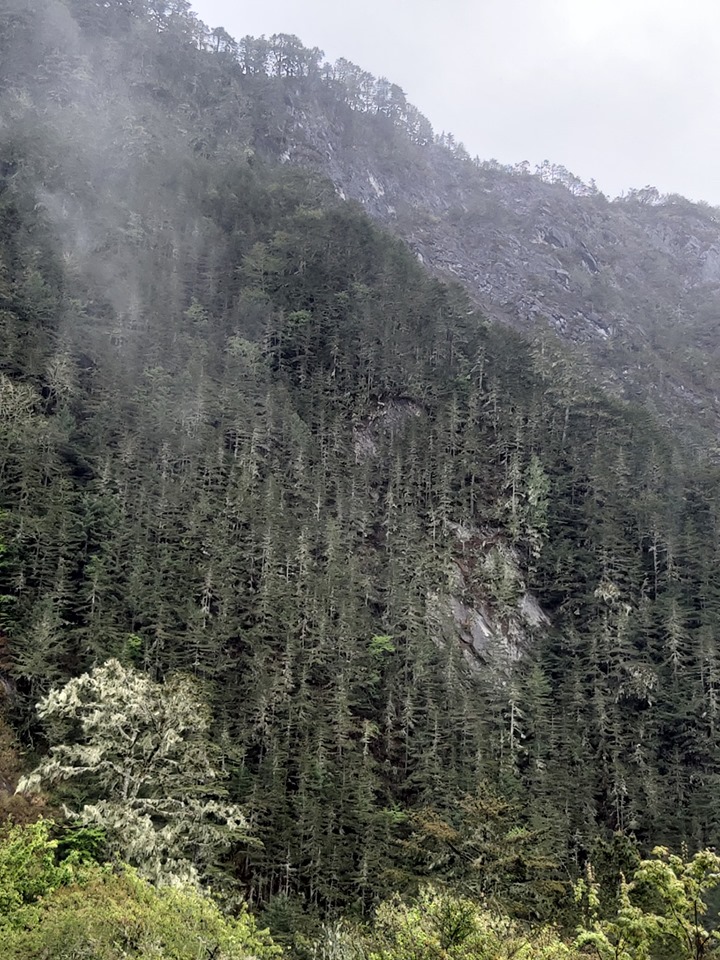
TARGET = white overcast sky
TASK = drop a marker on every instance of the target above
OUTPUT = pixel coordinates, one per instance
(625, 91)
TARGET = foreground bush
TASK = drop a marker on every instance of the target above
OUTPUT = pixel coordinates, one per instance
(441, 926)
(75, 910)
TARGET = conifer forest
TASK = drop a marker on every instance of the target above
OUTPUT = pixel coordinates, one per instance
(339, 620)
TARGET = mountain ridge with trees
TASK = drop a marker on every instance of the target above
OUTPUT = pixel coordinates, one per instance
(451, 607)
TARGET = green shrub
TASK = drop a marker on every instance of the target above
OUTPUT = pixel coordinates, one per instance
(78, 910)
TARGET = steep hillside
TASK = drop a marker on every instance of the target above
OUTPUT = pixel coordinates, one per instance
(247, 436)
(634, 283)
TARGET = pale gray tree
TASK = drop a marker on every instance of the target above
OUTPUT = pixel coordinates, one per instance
(139, 753)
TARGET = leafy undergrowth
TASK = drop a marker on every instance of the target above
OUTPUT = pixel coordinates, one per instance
(57, 902)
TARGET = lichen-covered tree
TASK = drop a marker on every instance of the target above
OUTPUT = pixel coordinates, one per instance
(139, 755)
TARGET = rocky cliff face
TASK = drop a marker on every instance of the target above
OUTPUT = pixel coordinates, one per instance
(633, 284)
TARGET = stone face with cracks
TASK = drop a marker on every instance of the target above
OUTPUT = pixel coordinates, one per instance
(490, 636)
(472, 626)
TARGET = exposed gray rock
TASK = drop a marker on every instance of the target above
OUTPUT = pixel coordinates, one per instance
(492, 635)
(532, 612)
(472, 626)
(389, 416)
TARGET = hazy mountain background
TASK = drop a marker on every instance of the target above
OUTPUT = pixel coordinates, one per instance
(619, 92)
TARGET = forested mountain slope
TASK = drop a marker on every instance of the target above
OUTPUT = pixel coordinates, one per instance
(633, 284)
(245, 435)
